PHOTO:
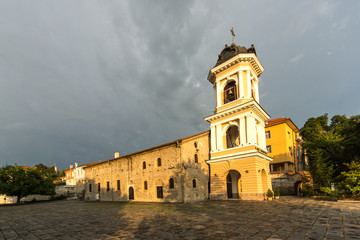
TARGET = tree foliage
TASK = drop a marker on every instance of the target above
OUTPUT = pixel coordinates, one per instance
(331, 147)
(351, 179)
(46, 171)
(20, 182)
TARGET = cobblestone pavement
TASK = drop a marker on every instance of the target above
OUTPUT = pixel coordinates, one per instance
(285, 218)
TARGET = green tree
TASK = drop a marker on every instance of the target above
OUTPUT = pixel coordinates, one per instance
(351, 179)
(330, 147)
(46, 171)
(20, 182)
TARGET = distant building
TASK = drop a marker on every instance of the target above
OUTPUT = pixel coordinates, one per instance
(70, 176)
(283, 143)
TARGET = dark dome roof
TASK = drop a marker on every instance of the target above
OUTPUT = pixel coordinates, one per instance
(233, 50)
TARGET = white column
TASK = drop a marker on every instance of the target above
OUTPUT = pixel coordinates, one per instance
(242, 131)
(213, 138)
(262, 138)
(248, 80)
(218, 94)
(251, 131)
(215, 95)
(241, 84)
(257, 90)
(218, 137)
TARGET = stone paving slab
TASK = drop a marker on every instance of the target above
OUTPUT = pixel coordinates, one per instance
(285, 218)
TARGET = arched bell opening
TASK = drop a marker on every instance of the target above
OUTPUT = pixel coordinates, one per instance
(232, 137)
(230, 93)
(233, 184)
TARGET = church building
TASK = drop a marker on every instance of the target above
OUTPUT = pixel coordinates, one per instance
(228, 162)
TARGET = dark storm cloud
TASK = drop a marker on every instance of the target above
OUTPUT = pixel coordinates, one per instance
(80, 80)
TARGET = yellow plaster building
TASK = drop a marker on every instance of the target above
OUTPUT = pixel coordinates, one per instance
(283, 143)
(229, 161)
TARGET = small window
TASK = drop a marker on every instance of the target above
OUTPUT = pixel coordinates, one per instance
(267, 134)
(268, 148)
(290, 150)
(145, 185)
(159, 162)
(144, 165)
(89, 187)
(195, 144)
(107, 186)
(171, 183)
(99, 187)
(194, 183)
(159, 192)
(118, 185)
(196, 158)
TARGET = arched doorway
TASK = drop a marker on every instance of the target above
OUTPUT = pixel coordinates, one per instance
(264, 181)
(232, 184)
(131, 193)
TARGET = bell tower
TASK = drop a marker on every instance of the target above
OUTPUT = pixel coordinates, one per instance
(239, 164)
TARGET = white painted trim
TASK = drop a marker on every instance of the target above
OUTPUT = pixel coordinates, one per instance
(247, 56)
(248, 80)
(241, 84)
(238, 108)
(212, 138)
(238, 156)
(234, 71)
(218, 95)
(218, 137)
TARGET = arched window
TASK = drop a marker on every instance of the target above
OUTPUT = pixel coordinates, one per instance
(194, 183)
(159, 162)
(232, 137)
(171, 183)
(230, 93)
(195, 144)
(196, 158)
(145, 185)
(144, 165)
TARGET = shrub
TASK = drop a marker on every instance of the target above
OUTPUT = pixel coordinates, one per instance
(326, 191)
(351, 182)
(308, 190)
(269, 193)
(276, 192)
(59, 197)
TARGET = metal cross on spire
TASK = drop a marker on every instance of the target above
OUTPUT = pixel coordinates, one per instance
(232, 33)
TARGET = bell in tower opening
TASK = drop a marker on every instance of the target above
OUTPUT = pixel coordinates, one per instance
(230, 92)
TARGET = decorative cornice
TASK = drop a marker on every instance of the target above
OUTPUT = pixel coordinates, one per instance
(242, 155)
(253, 105)
(248, 57)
